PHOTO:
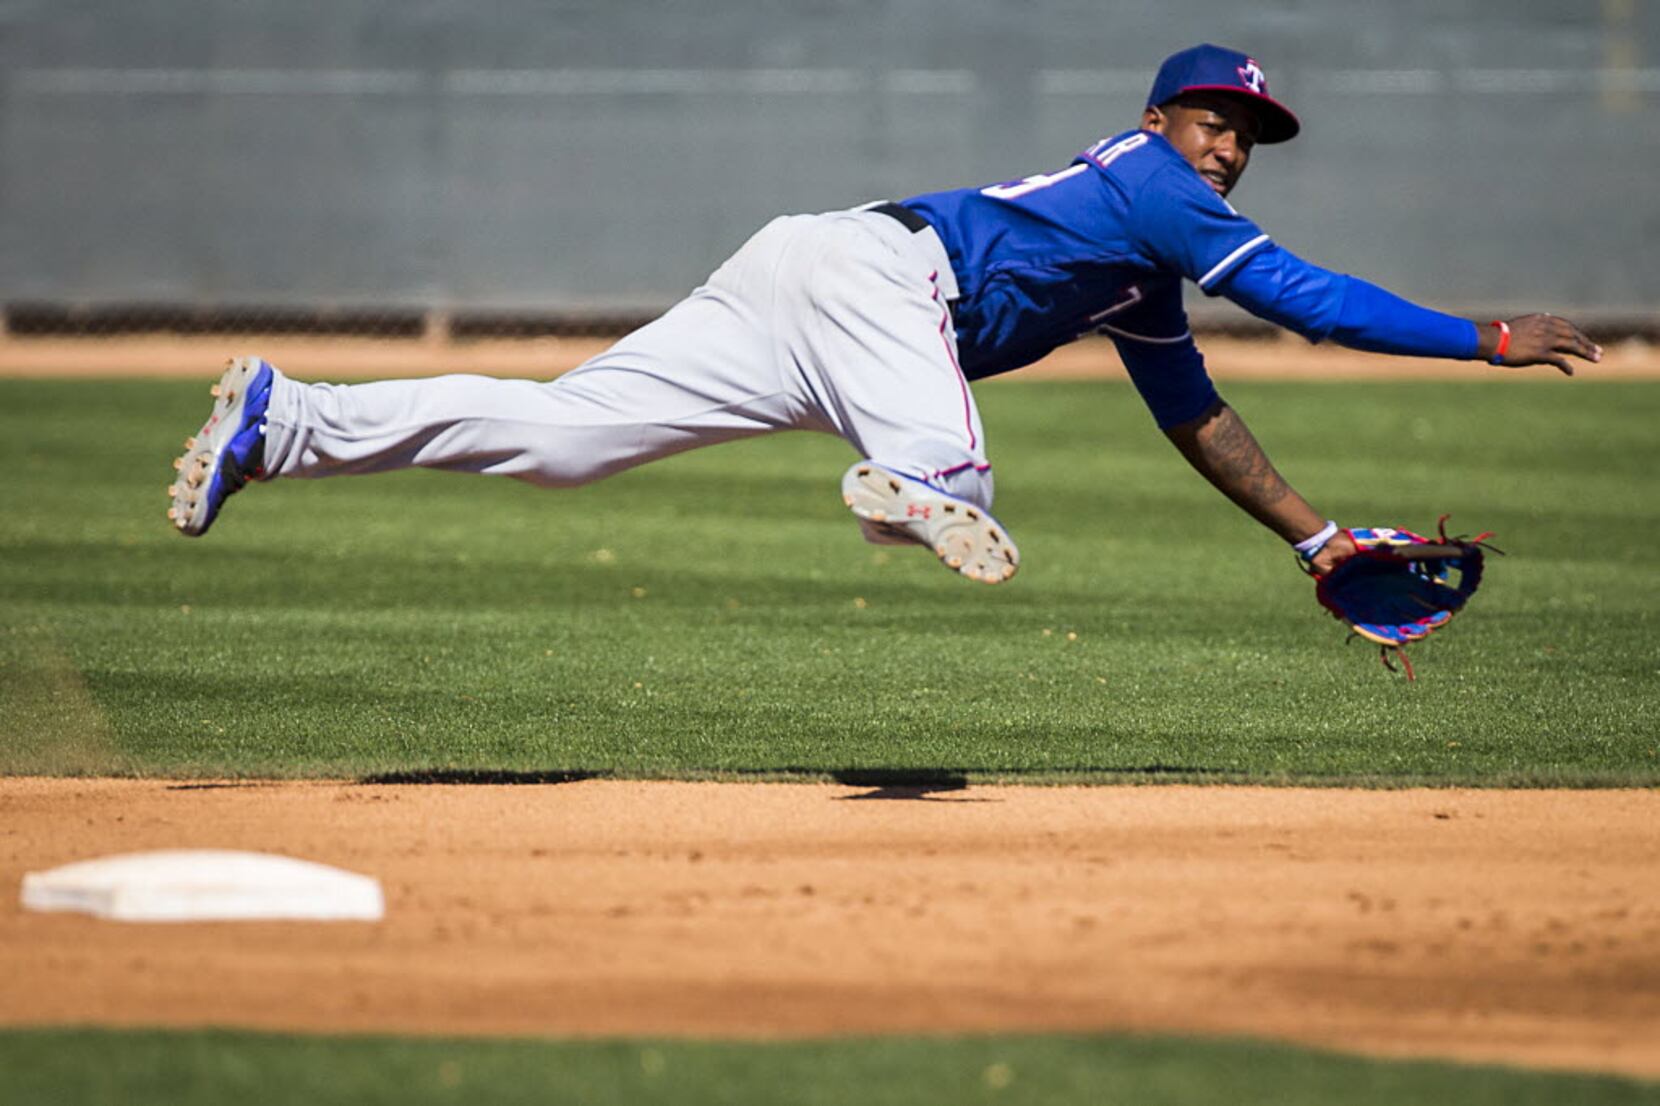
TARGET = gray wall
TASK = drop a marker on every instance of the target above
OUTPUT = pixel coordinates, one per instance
(572, 154)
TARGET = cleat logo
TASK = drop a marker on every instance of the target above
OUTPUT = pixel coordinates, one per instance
(919, 510)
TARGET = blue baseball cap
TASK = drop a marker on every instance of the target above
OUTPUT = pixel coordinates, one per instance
(1208, 68)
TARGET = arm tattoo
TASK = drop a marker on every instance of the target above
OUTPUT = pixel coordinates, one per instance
(1238, 465)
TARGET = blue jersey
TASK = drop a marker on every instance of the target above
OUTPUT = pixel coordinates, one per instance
(1103, 246)
(1043, 261)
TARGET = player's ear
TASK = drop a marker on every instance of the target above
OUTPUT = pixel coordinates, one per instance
(1153, 119)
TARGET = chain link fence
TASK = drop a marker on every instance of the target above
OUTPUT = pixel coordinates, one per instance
(27, 320)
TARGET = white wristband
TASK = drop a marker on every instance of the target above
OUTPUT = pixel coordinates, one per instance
(1309, 546)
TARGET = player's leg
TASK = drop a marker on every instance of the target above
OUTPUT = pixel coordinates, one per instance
(705, 372)
(877, 341)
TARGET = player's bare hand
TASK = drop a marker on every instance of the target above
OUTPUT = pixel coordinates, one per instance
(1334, 552)
(1542, 340)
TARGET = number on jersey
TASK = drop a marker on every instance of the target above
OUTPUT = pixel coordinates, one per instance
(1101, 154)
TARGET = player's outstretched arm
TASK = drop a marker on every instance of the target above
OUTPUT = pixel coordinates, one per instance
(1224, 451)
(1276, 285)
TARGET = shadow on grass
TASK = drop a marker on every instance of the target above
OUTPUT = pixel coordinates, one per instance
(464, 776)
(922, 783)
(914, 784)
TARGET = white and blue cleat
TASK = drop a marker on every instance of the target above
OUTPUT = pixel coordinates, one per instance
(227, 452)
(895, 509)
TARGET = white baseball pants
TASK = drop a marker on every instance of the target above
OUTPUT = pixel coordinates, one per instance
(836, 323)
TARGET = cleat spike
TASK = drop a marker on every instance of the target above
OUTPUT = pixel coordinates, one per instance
(214, 391)
(190, 443)
(954, 562)
(878, 516)
(178, 463)
(172, 512)
(172, 489)
(847, 500)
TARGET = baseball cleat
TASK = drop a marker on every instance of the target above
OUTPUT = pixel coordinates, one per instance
(227, 452)
(894, 509)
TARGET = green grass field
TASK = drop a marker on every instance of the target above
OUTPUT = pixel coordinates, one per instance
(210, 1068)
(718, 614)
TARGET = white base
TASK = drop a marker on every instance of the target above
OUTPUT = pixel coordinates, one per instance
(204, 885)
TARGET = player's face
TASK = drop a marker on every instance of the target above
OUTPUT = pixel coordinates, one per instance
(1214, 133)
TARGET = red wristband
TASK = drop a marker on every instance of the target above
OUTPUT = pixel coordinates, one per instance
(1504, 340)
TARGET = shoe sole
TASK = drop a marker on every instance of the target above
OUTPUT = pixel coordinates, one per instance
(965, 538)
(191, 513)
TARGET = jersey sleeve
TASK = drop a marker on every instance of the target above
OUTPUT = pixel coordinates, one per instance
(1277, 285)
(1157, 348)
(1181, 225)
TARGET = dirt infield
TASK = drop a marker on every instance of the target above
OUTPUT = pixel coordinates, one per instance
(1484, 925)
(1285, 358)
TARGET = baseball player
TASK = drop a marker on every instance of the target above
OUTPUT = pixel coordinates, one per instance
(871, 323)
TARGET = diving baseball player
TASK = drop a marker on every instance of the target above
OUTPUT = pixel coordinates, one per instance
(871, 324)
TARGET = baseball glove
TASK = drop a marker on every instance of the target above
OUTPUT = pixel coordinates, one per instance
(1400, 587)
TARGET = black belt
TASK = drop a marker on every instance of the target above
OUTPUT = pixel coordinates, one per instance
(908, 219)
(916, 224)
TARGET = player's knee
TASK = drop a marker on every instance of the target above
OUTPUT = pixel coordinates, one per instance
(561, 476)
(563, 468)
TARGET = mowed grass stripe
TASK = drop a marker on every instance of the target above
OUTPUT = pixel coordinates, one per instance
(717, 613)
(139, 1068)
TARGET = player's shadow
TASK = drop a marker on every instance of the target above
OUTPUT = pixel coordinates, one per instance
(916, 785)
(934, 785)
